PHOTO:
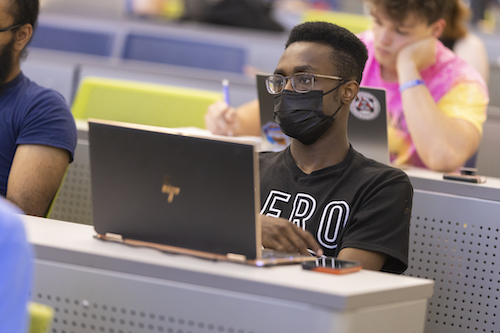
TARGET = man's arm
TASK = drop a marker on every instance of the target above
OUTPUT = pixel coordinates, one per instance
(281, 235)
(369, 260)
(443, 143)
(35, 176)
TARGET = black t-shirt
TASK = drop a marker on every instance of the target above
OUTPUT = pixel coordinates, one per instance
(358, 203)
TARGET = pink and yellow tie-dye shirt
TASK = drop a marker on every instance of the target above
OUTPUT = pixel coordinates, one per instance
(457, 88)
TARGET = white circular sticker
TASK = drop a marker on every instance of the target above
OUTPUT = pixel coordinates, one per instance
(365, 106)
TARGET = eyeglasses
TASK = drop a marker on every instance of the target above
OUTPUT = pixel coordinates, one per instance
(301, 82)
(11, 27)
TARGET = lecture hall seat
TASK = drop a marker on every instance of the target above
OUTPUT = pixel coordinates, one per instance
(40, 317)
(73, 39)
(355, 23)
(142, 103)
(184, 52)
(72, 202)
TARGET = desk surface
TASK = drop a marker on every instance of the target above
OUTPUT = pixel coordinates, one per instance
(74, 244)
(427, 180)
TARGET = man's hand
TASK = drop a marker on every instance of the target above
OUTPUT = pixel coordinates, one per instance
(35, 176)
(221, 119)
(281, 235)
(421, 54)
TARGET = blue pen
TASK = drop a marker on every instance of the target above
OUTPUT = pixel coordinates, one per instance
(225, 90)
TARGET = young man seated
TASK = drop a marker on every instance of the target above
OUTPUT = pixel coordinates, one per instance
(319, 193)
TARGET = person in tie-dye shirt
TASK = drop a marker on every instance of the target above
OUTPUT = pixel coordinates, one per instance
(436, 101)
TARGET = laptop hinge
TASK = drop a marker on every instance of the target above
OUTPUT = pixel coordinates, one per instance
(236, 257)
(114, 237)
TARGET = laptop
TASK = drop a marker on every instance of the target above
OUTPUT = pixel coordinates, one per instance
(178, 192)
(367, 126)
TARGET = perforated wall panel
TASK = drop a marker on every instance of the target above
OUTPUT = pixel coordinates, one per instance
(455, 241)
(87, 300)
(76, 315)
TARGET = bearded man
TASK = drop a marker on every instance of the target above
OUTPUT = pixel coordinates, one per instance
(37, 130)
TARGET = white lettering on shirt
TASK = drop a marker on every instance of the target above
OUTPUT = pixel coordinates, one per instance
(270, 203)
(333, 218)
(304, 207)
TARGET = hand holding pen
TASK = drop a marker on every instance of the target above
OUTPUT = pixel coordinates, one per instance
(221, 117)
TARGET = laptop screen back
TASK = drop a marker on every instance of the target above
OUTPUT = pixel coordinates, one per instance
(171, 189)
(367, 127)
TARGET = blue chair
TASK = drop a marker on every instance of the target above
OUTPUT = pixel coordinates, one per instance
(73, 40)
(182, 52)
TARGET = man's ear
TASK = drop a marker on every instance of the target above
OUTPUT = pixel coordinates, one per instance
(349, 91)
(23, 36)
(438, 28)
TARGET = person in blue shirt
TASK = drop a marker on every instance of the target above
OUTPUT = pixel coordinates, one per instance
(37, 130)
(16, 271)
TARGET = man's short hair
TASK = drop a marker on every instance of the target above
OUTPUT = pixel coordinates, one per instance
(398, 10)
(349, 54)
(24, 11)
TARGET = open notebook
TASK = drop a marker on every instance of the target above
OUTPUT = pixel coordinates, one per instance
(178, 192)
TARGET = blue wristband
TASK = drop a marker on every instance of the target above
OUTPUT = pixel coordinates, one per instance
(410, 84)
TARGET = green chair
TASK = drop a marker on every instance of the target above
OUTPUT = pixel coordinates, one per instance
(142, 103)
(355, 23)
(40, 317)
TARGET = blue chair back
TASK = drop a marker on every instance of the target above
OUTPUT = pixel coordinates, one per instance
(73, 40)
(190, 53)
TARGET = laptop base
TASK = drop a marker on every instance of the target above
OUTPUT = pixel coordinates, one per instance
(277, 258)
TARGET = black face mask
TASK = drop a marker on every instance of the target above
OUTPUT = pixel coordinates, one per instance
(300, 115)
